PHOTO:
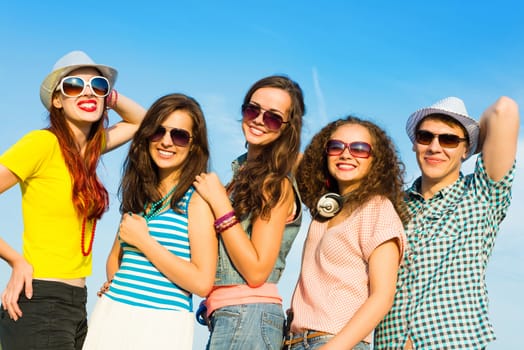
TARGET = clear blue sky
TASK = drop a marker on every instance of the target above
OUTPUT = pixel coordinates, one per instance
(378, 59)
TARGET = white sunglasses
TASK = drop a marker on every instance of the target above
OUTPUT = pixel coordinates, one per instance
(72, 86)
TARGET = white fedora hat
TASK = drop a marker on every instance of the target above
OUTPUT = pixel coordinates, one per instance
(453, 107)
(65, 65)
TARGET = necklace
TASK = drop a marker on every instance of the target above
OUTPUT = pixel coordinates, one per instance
(82, 238)
(158, 206)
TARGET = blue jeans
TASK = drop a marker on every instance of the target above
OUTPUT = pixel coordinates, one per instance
(317, 342)
(247, 326)
(54, 318)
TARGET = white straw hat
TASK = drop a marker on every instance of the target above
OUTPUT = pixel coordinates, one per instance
(453, 107)
(65, 65)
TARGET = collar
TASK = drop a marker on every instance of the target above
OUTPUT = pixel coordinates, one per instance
(237, 163)
(443, 201)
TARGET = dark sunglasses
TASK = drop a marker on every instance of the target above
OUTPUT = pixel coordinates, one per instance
(356, 149)
(425, 137)
(75, 86)
(272, 121)
(180, 137)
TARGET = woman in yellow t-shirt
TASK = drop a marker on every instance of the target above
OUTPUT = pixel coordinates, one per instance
(62, 198)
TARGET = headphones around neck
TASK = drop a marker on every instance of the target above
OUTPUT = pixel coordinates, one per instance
(329, 205)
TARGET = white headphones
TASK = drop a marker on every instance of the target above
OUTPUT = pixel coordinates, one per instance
(329, 205)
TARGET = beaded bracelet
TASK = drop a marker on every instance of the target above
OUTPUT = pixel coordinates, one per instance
(226, 225)
(226, 222)
(112, 99)
(224, 217)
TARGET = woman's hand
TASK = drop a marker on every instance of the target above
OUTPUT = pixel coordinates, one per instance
(21, 278)
(211, 189)
(134, 230)
(104, 288)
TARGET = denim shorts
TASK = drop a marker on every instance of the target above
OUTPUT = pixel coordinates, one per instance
(54, 318)
(247, 326)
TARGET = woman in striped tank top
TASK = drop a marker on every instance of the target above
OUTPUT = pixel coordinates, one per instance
(166, 247)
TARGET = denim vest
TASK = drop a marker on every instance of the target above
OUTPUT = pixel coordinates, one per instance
(227, 274)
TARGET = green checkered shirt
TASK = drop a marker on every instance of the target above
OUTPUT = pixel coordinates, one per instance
(441, 300)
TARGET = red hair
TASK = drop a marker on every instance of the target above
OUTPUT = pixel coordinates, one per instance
(89, 196)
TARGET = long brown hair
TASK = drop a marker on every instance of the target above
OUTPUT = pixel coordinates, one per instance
(385, 178)
(258, 185)
(89, 196)
(140, 182)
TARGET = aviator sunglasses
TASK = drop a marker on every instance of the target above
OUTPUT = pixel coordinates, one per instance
(356, 149)
(180, 137)
(425, 137)
(272, 121)
(75, 86)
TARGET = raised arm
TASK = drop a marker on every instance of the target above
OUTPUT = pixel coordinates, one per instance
(132, 114)
(499, 130)
(254, 258)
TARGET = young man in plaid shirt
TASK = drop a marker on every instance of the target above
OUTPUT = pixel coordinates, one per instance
(441, 300)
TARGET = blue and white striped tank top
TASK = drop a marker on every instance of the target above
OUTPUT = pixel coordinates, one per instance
(138, 282)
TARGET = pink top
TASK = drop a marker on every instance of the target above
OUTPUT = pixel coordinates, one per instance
(334, 281)
(242, 294)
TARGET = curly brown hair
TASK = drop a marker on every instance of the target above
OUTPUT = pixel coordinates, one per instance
(257, 187)
(385, 178)
(140, 181)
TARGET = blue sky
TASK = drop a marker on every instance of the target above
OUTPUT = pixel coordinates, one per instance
(379, 60)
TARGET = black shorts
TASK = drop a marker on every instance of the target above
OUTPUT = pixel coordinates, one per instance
(54, 318)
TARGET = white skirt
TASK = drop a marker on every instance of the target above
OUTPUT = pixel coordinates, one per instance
(114, 326)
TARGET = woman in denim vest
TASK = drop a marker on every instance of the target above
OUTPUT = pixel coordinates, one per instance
(257, 218)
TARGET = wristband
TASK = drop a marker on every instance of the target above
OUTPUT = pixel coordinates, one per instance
(112, 99)
(226, 225)
(224, 217)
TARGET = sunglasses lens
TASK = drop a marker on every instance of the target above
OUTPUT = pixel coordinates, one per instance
(448, 140)
(424, 137)
(250, 112)
(158, 134)
(72, 86)
(360, 149)
(335, 147)
(180, 137)
(272, 121)
(100, 86)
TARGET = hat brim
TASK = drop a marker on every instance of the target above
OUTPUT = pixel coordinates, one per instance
(470, 124)
(48, 86)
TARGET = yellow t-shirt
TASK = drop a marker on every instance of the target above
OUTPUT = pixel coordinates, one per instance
(52, 227)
